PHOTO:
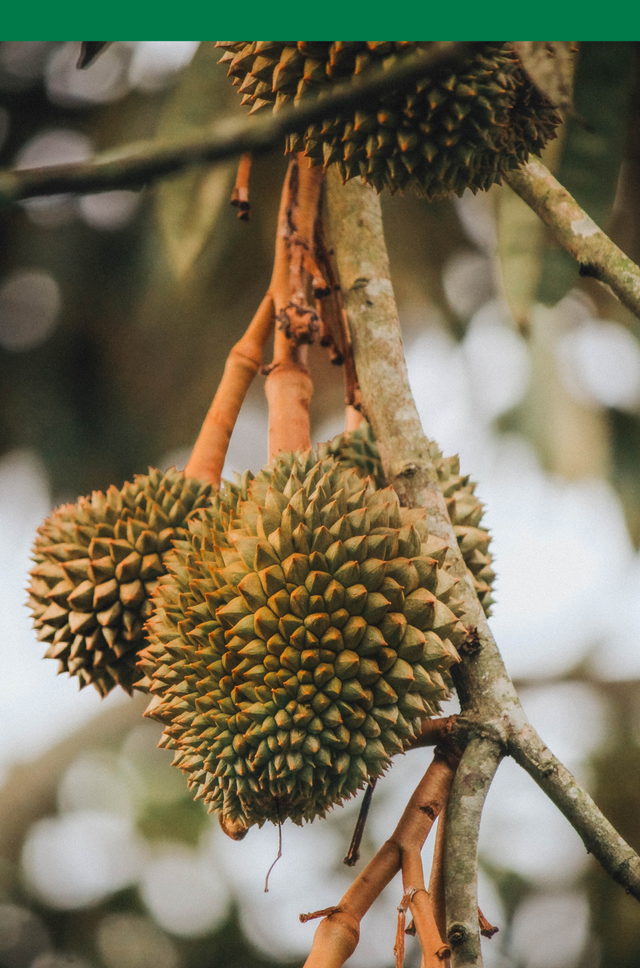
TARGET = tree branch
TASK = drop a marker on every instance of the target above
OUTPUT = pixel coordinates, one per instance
(140, 164)
(470, 787)
(490, 705)
(597, 255)
(599, 837)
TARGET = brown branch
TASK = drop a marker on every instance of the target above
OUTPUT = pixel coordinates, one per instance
(244, 361)
(434, 950)
(353, 854)
(337, 935)
(436, 879)
(596, 254)
(141, 164)
(289, 387)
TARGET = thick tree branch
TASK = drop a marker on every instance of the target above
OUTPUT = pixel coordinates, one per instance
(597, 255)
(490, 705)
(140, 164)
(473, 778)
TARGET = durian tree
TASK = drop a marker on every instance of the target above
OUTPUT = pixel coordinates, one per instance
(297, 629)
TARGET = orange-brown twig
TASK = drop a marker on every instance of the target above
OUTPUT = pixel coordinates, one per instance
(240, 193)
(244, 361)
(337, 935)
(434, 950)
(436, 880)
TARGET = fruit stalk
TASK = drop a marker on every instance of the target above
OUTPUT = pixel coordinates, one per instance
(337, 934)
(243, 362)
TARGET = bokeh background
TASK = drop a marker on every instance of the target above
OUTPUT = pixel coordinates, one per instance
(116, 314)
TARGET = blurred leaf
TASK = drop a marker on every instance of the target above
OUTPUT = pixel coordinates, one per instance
(549, 64)
(521, 242)
(593, 148)
(189, 205)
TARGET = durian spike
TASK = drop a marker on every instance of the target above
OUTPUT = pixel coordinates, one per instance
(434, 950)
(243, 362)
(336, 936)
(240, 193)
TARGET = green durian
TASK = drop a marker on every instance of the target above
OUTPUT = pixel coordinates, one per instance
(290, 657)
(96, 563)
(358, 449)
(444, 135)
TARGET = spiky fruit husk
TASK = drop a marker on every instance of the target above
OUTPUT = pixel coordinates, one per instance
(291, 657)
(96, 563)
(447, 134)
(358, 449)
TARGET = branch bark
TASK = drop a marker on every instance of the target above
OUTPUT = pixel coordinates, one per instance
(473, 778)
(140, 164)
(597, 255)
(489, 702)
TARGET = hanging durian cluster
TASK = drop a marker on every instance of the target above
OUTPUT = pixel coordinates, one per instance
(358, 449)
(301, 635)
(96, 563)
(446, 134)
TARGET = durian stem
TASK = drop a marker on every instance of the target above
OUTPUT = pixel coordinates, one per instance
(592, 248)
(337, 935)
(240, 193)
(243, 362)
(436, 879)
(289, 387)
(434, 951)
(490, 705)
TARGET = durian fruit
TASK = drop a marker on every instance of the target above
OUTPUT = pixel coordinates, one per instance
(445, 134)
(290, 657)
(96, 563)
(358, 449)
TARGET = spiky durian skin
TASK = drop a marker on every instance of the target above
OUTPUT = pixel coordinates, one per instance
(96, 563)
(358, 449)
(291, 657)
(446, 134)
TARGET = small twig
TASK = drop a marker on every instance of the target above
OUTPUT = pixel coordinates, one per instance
(592, 248)
(240, 193)
(398, 948)
(353, 854)
(434, 949)
(140, 164)
(279, 855)
(323, 913)
(437, 877)
(487, 930)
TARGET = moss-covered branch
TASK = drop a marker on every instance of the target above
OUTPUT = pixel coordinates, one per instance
(490, 705)
(143, 163)
(468, 793)
(592, 248)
